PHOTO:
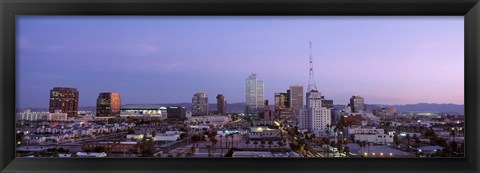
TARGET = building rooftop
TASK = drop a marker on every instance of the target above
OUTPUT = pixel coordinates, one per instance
(263, 154)
(259, 129)
(142, 106)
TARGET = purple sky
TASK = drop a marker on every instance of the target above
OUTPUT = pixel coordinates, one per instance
(387, 60)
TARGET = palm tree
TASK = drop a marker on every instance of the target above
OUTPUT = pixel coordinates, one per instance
(452, 133)
(417, 140)
(395, 140)
(209, 150)
(339, 149)
(408, 142)
(347, 151)
(270, 143)
(248, 143)
(255, 143)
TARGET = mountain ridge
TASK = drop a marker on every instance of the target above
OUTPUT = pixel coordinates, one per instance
(239, 107)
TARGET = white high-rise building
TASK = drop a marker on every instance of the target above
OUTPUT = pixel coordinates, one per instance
(314, 116)
(254, 95)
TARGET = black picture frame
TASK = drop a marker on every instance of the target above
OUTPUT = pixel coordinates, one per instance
(470, 9)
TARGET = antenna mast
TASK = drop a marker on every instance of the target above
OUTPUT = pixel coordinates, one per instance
(311, 83)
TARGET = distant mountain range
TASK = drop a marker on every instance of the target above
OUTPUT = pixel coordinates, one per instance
(431, 107)
(239, 107)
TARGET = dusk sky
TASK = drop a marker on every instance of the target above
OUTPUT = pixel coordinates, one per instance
(386, 60)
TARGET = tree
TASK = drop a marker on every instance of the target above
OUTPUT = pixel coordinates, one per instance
(395, 140)
(452, 133)
(154, 134)
(99, 149)
(248, 143)
(196, 138)
(209, 150)
(183, 135)
(255, 143)
(193, 149)
(147, 148)
(408, 142)
(417, 140)
(347, 151)
(270, 143)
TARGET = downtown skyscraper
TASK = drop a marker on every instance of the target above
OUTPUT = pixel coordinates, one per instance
(108, 104)
(200, 104)
(221, 104)
(65, 100)
(296, 98)
(254, 95)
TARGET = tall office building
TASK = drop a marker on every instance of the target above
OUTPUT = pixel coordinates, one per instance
(280, 101)
(108, 104)
(254, 95)
(221, 104)
(296, 98)
(357, 104)
(316, 115)
(64, 99)
(199, 104)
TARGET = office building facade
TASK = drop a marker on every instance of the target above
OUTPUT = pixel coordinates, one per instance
(108, 104)
(200, 104)
(221, 104)
(254, 95)
(357, 104)
(176, 112)
(315, 116)
(64, 99)
(296, 98)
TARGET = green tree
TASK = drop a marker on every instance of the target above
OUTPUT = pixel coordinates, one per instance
(147, 148)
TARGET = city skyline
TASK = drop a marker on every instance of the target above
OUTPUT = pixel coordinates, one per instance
(163, 60)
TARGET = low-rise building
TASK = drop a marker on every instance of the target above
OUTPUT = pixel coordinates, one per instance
(375, 138)
(57, 116)
(263, 154)
(263, 132)
(91, 154)
(28, 115)
(137, 110)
